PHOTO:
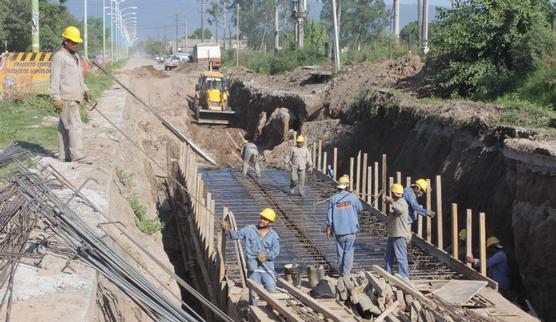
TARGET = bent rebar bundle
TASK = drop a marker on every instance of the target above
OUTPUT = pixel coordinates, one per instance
(85, 243)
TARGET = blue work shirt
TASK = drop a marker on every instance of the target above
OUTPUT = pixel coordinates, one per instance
(257, 244)
(499, 270)
(413, 205)
(343, 210)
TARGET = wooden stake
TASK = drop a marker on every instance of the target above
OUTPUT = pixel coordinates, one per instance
(369, 185)
(325, 163)
(383, 182)
(408, 181)
(335, 167)
(358, 174)
(429, 204)
(398, 177)
(319, 162)
(482, 243)
(314, 156)
(439, 232)
(469, 241)
(376, 191)
(351, 174)
(455, 232)
(364, 177)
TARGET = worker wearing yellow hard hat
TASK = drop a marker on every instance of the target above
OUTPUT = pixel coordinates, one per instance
(411, 194)
(262, 246)
(343, 222)
(250, 152)
(497, 264)
(299, 161)
(67, 90)
(462, 247)
(399, 231)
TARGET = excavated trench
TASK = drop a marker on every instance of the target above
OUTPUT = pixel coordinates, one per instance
(483, 167)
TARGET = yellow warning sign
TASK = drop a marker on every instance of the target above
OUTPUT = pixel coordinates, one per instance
(25, 73)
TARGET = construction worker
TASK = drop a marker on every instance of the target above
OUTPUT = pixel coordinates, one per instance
(250, 151)
(343, 222)
(462, 247)
(67, 89)
(299, 160)
(399, 230)
(262, 246)
(497, 264)
(411, 194)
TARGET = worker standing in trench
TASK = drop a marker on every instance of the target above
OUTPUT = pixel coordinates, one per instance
(399, 231)
(343, 222)
(67, 89)
(250, 151)
(299, 160)
(262, 246)
(411, 194)
(497, 265)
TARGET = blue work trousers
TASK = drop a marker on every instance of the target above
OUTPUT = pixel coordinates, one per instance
(265, 279)
(345, 247)
(397, 246)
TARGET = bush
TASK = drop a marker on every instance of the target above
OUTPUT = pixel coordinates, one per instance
(540, 88)
(147, 226)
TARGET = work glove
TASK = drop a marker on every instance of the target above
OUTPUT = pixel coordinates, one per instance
(470, 259)
(432, 214)
(310, 169)
(87, 95)
(262, 258)
(224, 225)
(328, 232)
(58, 104)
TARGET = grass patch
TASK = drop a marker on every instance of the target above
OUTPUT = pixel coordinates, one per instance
(274, 63)
(124, 176)
(520, 112)
(147, 226)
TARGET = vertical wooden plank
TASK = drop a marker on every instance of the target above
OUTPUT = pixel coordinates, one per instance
(439, 228)
(319, 161)
(429, 204)
(469, 241)
(390, 183)
(364, 177)
(376, 191)
(369, 196)
(408, 181)
(325, 163)
(482, 243)
(384, 188)
(212, 216)
(455, 232)
(351, 174)
(398, 177)
(295, 137)
(335, 165)
(358, 174)
(314, 156)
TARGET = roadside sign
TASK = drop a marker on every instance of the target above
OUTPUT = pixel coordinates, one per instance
(25, 73)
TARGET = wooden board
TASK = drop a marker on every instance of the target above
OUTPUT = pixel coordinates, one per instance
(458, 292)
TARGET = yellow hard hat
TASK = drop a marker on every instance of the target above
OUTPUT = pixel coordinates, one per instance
(343, 182)
(397, 188)
(423, 184)
(73, 34)
(300, 139)
(463, 234)
(492, 241)
(268, 214)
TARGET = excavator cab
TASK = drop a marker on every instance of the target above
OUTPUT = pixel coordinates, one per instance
(211, 93)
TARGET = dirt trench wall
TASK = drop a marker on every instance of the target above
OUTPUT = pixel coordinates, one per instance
(479, 171)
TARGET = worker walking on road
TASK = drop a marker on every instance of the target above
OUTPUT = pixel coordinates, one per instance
(411, 194)
(497, 265)
(67, 89)
(250, 151)
(299, 160)
(399, 231)
(262, 246)
(343, 222)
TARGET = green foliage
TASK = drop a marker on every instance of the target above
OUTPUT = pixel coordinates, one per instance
(124, 177)
(520, 112)
(197, 33)
(540, 88)
(154, 47)
(410, 33)
(483, 48)
(382, 47)
(147, 226)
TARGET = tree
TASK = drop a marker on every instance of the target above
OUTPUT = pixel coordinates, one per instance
(483, 48)
(215, 16)
(154, 47)
(197, 34)
(410, 33)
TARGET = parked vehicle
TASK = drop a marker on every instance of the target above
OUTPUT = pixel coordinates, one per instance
(207, 54)
(172, 62)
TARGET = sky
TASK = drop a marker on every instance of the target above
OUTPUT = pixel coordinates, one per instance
(157, 17)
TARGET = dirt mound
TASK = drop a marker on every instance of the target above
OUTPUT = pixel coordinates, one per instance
(188, 69)
(148, 72)
(344, 89)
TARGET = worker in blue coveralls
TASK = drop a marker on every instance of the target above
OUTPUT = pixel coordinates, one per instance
(497, 264)
(262, 246)
(411, 194)
(343, 222)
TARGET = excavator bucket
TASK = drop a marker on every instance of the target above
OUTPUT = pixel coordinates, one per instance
(215, 117)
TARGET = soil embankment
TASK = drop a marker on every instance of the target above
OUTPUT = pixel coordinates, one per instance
(505, 171)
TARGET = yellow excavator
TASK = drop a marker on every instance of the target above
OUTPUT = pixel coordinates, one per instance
(211, 93)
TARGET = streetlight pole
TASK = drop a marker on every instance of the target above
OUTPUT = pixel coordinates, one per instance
(35, 26)
(103, 31)
(85, 19)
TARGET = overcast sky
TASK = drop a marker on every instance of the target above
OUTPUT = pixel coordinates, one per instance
(157, 17)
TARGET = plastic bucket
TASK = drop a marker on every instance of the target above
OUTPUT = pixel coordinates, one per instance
(315, 274)
(292, 273)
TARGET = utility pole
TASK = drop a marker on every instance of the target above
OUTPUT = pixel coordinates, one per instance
(300, 17)
(237, 34)
(202, 20)
(177, 33)
(85, 36)
(425, 27)
(276, 28)
(35, 26)
(397, 18)
(420, 23)
(111, 33)
(336, 37)
(104, 31)
(185, 49)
